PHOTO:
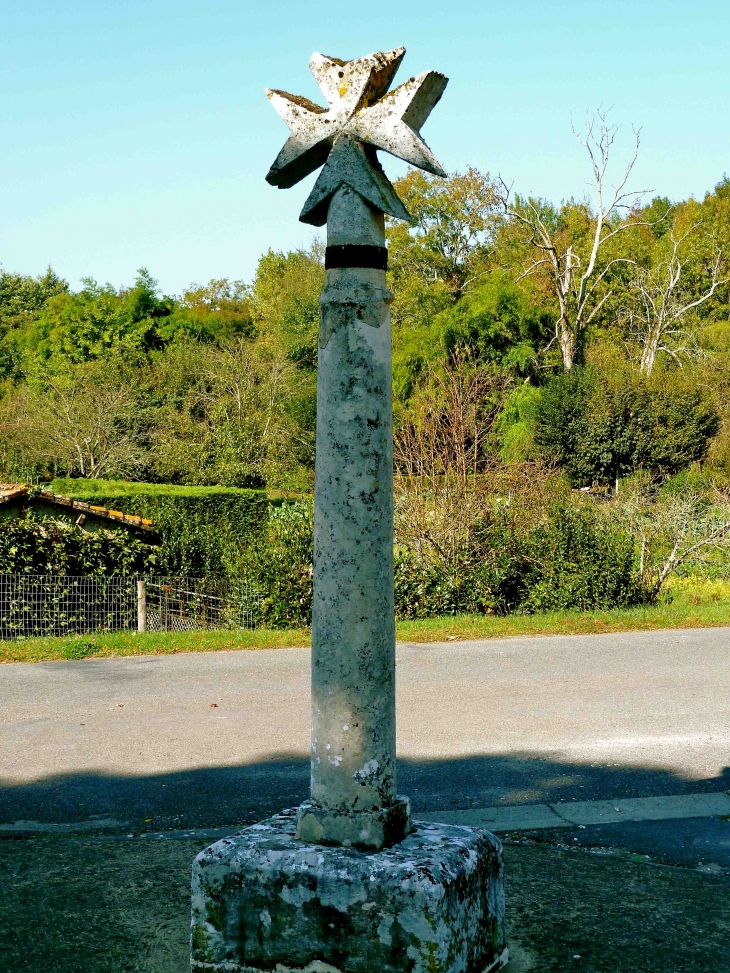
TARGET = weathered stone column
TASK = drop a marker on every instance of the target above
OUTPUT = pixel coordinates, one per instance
(353, 626)
(388, 894)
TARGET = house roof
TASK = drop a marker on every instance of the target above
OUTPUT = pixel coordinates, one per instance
(13, 492)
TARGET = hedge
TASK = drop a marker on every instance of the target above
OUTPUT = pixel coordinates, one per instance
(201, 529)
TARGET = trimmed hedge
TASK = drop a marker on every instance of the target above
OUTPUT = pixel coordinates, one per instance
(202, 530)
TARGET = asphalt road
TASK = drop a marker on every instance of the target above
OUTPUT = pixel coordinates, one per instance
(209, 740)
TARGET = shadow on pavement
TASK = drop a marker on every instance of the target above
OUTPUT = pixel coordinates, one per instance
(212, 797)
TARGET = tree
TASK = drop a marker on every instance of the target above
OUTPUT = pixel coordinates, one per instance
(580, 273)
(216, 312)
(285, 302)
(662, 299)
(228, 419)
(97, 320)
(603, 426)
(84, 423)
(22, 299)
(438, 258)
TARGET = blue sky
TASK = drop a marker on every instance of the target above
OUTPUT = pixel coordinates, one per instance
(137, 133)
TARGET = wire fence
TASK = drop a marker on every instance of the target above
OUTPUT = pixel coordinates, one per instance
(32, 606)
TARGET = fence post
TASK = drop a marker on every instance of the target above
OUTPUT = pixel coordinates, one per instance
(141, 606)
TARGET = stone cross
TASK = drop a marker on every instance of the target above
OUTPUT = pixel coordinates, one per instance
(353, 781)
(388, 894)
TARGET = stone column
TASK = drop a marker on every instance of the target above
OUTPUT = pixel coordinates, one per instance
(353, 628)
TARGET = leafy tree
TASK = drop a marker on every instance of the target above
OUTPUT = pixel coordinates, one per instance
(603, 427)
(21, 300)
(23, 297)
(88, 325)
(285, 300)
(218, 312)
(230, 420)
(446, 250)
(659, 214)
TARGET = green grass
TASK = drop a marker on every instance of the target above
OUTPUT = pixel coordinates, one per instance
(151, 643)
(693, 606)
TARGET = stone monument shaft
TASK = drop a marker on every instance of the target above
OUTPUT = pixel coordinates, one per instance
(353, 628)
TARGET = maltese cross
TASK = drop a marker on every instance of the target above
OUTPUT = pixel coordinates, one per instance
(362, 116)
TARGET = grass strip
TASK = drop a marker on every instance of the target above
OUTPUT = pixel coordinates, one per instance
(685, 610)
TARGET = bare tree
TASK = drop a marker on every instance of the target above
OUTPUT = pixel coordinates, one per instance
(673, 532)
(577, 279)
(86, 424)
(661, 303)
(441, 450)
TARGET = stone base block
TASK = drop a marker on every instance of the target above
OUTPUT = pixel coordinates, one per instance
(263, 900)
(365, 830)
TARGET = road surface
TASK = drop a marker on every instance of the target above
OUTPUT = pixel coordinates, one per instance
(202, 740)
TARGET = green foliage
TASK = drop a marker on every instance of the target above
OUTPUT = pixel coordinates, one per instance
(22, 299)
(486, 578)
(604, 426)
(515, 425)
(580, 562)
(571, 560)
(234, 415)
(286, 301)
(454, 221)
(31, 545)
(84, 326)
(280, 566)
(202, 530)
(215, 313)
(660, 212)
(495, 321)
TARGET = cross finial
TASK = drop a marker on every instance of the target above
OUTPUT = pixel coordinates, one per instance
(361, 116)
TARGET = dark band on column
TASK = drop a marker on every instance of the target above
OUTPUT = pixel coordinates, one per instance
(350, 255)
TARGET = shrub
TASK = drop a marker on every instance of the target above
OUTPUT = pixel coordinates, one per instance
(602, 427)
(486, 577)
(201, 529)
(579, 562)
(280, 565)
(49, 546)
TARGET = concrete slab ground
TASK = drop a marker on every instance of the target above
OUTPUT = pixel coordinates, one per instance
(112, 904)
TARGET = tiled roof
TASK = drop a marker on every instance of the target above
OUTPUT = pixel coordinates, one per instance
(21, 491)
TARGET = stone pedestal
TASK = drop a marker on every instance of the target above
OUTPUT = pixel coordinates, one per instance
(264, 900)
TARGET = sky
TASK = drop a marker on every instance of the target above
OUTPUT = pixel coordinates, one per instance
(137, 134)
